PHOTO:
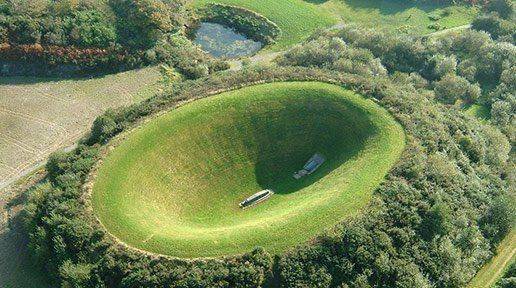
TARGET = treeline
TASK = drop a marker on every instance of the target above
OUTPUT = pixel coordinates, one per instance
(433, 223)
(498, 20)
(461, 68)
(132, 24)
(69, 37)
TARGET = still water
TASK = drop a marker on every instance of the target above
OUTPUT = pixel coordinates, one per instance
(223, 42)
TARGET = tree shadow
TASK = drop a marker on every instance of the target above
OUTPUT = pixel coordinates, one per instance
(16, 266)
(318, 2)
(38, 78)
(29, 80)
(386, 7)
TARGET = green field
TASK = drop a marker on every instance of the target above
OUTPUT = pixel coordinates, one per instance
(494, 269)
(402, 16)
(174, 184)
(298, 18)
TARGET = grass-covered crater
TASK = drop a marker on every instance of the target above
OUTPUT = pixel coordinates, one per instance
(173, 185)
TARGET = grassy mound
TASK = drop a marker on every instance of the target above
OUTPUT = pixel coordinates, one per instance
(173, 185)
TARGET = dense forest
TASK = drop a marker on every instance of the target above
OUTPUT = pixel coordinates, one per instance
(461, 68)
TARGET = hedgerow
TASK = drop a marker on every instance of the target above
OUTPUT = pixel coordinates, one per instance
(74, 38)
(433, 221)
(245, 21)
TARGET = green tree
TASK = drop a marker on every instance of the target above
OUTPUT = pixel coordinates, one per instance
(500, 218)
(74, 275)
(504, 8)
(142, 22)
(24, 30)
(437, 221)
(452, 88)
(91, 28)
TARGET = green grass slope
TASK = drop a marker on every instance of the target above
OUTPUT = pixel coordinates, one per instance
(493, 270)
(298, 19)
(403, 16)
(174, 184)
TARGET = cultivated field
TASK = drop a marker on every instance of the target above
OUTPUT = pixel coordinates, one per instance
(173, 185)
(38, 116)
(298, 18)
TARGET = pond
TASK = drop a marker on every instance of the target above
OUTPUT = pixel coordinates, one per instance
(223, 42)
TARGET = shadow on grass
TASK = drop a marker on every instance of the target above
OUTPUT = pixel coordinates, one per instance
(386, 7)
(284, 147)
(17, 270)
(28, 80)
(318, 2)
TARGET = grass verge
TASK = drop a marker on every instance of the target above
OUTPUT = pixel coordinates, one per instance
(494, 269)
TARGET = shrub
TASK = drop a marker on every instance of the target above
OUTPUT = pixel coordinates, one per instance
(333, 54)
(24, 30)
(149, 19)
(436, 189)
(242, 20)
(504, 8)
(500, 218)
(74, 38)
(452, 88)
(494, 25)
(91, 29)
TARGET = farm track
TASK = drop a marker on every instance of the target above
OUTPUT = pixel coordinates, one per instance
(494, 269)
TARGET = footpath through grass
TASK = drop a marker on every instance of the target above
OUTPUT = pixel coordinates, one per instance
(174, 184)
(494, 269)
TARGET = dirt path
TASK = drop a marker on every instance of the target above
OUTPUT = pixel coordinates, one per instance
(493, 270)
